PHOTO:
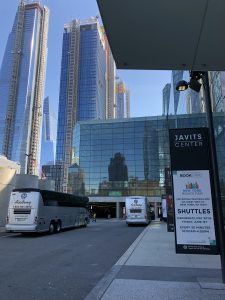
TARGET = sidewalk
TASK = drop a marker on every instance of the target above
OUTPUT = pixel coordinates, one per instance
(150, 269)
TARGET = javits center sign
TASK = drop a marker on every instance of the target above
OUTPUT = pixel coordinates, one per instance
(192, 193)
(189, 149)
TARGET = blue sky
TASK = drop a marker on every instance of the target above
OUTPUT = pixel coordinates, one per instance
(145, 86)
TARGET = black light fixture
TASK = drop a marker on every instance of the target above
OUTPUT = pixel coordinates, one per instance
(182, 86)
(194, 83)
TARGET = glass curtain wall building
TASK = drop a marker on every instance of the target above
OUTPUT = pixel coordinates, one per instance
(166, 99)
(22, 78)
(122, 101)
(82, 84)
(92, 72)
(217, 86)
(176, 76)
(48, 141)
(127, 157)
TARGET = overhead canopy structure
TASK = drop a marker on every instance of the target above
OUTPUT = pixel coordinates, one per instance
(166, 34)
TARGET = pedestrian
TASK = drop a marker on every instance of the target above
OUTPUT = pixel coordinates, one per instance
(94, 217)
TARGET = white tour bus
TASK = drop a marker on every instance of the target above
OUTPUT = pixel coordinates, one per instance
(35, 210)
(137, 210)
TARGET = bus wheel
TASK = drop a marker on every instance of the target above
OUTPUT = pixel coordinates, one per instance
(58, 227)
(85, 222)
(51, 228)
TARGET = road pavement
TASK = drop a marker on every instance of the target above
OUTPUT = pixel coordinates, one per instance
(67, 265)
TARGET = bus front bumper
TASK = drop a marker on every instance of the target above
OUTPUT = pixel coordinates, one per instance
(137, 221)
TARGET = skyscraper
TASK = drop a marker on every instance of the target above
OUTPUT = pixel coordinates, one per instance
(48, 140)
(22, 78)
(166, 98)
(110, 81)
(217, 86)
(82, 84)
(174, 94)
(127, 104)
(122, 101)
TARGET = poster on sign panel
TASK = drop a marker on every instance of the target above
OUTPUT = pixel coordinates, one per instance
(192, 193)
(193, 210)
(164, 208)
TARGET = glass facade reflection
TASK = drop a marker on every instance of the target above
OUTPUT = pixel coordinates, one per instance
(130, 156)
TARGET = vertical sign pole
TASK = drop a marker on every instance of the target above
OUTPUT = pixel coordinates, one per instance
(217, 201)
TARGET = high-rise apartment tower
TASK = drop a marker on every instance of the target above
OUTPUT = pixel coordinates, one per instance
(83, 86)
(110, 81)
(22, 77)
(122, 101)
(48, 141)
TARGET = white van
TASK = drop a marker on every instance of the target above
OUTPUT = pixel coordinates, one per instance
(137, 210)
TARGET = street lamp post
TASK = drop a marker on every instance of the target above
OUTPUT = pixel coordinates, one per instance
(217, 201)
(194, 84)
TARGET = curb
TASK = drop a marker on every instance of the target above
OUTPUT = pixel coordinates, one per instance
(124, 258)
(99, 290)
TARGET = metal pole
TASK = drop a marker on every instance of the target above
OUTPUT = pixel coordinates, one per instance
(217, 201)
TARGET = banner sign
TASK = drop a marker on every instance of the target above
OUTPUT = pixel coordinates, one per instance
(192, 193)
(164, 208)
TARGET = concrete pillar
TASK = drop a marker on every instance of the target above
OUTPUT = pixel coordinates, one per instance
(156, 209)
(117, 210)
